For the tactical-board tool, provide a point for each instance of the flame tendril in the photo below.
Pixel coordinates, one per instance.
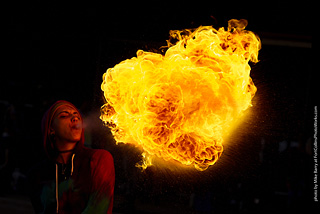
(178, 106)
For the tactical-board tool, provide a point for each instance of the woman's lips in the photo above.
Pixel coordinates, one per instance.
(76, 126)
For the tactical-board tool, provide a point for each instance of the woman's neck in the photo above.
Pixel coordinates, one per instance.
(64, 157)
(65, 150)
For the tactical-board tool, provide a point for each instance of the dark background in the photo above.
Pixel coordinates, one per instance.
(59, 50)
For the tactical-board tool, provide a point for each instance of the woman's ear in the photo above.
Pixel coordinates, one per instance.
(51, 132)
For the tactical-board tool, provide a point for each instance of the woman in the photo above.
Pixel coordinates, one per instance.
(73, 179)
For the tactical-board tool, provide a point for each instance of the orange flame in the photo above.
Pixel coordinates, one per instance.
(181, 105)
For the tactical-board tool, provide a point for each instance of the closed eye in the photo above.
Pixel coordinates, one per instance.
(64, 114)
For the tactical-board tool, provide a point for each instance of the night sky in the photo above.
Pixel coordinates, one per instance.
(60, 51)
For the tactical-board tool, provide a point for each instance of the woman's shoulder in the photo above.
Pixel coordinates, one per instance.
(102, 162)
(98, 154)
(102, 153)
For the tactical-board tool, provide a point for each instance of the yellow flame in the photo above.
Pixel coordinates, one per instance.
(179, 106)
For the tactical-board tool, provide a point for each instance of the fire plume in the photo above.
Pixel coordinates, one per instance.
(180, 105)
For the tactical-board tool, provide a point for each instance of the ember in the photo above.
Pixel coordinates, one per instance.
(180, 106)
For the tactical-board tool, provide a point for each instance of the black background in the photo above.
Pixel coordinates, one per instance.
(58, 50)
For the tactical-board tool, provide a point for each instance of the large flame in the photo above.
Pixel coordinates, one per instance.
(181, 105)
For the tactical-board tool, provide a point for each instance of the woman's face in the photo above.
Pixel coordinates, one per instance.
(67, 125)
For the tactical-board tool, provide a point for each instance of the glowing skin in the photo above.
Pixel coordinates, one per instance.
(66, 129)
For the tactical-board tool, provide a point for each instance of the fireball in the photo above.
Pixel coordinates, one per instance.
(181, 105)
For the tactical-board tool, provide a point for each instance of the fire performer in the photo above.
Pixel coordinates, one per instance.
(73, 179)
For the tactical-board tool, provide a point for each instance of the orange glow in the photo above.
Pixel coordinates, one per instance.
(180, 106)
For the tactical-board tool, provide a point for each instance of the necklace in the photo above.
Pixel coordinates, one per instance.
(65, 151)
(63, 167)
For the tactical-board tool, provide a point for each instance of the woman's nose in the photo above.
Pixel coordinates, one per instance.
(74, 119)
